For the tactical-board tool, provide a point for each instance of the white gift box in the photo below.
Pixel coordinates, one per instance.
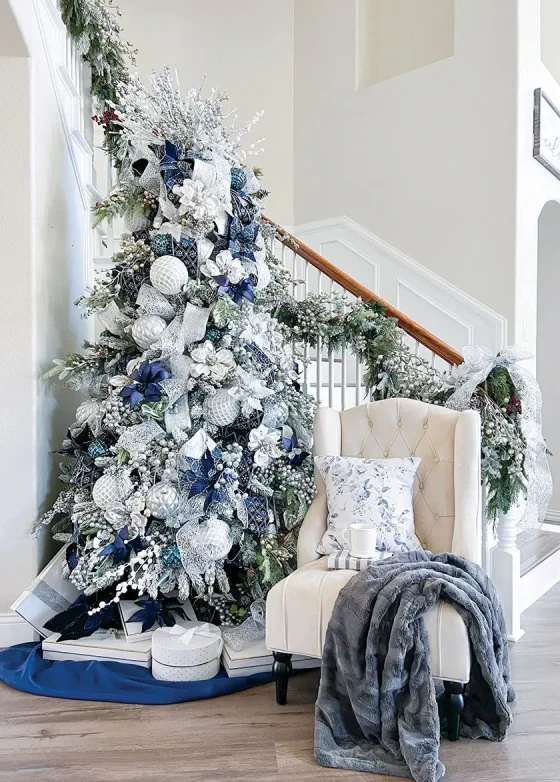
(47, 595)
(186, 652)
(133, 630)
(103, 646)
(256, 658)
(343, 560)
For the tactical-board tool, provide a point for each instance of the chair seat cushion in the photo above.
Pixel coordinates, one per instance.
(298, 610)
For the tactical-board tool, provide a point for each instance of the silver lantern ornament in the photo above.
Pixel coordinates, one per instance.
(147, 330)
(168, 275)
(110, 489)
(221, 408)
(162, 500)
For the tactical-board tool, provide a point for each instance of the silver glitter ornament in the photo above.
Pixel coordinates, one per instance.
(162, 500)
(221, 408)
(168, 275)
(111, 489)
(147, 330)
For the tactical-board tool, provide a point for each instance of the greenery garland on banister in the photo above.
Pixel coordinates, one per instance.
(391, 368)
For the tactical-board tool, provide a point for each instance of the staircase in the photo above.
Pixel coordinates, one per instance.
(523, 567)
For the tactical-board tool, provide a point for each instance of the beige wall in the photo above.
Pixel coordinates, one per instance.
(244, 47)
(550, 34)
(425, 160)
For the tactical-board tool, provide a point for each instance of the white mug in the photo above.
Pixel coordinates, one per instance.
(362, 539)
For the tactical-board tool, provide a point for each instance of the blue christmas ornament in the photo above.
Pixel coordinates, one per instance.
(97, 449)
(171, 557)
(161, 244)
(238, 179)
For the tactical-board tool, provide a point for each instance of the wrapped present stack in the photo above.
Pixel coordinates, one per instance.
(186, 653)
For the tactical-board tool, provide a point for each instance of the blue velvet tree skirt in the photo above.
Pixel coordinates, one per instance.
(23, 668)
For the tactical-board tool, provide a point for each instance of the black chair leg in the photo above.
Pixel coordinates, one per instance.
(455, 702)
(281, 668)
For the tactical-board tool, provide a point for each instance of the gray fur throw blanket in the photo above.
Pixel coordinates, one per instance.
(376, 709)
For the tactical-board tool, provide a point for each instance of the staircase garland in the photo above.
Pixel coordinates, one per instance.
(391, 368)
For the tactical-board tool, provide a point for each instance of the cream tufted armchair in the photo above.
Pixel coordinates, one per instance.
(446, 517)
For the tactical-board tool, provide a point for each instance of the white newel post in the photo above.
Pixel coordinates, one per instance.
(506, 571)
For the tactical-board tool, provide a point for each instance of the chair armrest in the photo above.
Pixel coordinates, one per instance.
(467, 532)
(312, 530)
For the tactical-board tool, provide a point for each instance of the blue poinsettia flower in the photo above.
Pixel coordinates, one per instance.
(173, 166)
(121, 547)
(76, 622)
(242, 239)
(240, 292)
(145, 386)
(159, 612)
(206, 476)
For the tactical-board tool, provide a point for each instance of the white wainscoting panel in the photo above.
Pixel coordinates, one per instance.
(435, 304)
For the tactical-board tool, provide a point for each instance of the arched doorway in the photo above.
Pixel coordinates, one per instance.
(548, 340)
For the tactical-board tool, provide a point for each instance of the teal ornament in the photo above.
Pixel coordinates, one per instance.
(213, 334)
(238, 179)
(171, 557)
(97, 449)
(161, 244)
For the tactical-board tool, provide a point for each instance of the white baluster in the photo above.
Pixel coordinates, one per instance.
(318, 390)
(331, 357)
(284, 264)
(506, 570)
(358, 382)
(306, 348)
(416, 347)
(433, 358)
(294, 274)
(343, 377)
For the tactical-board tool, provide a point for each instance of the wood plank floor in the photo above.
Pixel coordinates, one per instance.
(247, 737)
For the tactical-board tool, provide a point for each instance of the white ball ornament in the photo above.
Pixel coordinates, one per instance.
(168, 275)
(111, 489)
(221, 408)
(162, 500)
(147, 330)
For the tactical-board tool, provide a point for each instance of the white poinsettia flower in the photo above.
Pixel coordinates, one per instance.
(211, 364)
(197, 199)
(264, 442)
(249, 390)
(225, 265)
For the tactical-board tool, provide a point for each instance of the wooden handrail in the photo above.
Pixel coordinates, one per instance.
(416, 331)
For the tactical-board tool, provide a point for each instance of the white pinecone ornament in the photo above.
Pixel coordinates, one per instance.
(147, 330)
(168, 275)
(111, 489)
(221, 408)
(162, 500)
(88, 409)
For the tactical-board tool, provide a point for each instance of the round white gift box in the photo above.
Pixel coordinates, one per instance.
(186, 652)
(185, 673)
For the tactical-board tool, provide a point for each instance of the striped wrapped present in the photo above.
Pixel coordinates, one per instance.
(343, 560)
(48, 594)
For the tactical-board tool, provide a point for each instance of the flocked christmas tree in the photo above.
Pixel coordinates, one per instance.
(188, 462)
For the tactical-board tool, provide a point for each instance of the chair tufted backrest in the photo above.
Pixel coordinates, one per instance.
(448, 443)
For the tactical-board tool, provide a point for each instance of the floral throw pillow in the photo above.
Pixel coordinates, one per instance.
(369, 491)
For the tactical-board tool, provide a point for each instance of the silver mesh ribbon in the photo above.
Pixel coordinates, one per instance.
(252, 629)
(177, 415)
(140, 435)
(111, 319)
(194, 323)
(187, 327)
(202, 545)
(153, 302)
(478, 364)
